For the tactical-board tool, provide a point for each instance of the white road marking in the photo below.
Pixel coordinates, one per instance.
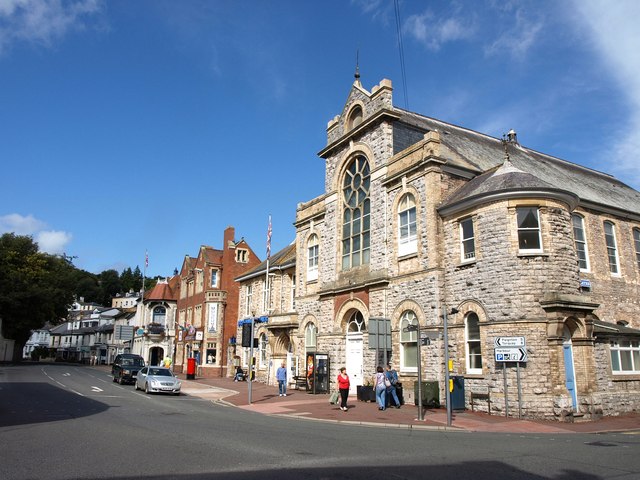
(96, 389)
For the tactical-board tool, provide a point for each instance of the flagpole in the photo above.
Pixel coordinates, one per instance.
(144, 274)
(266, 309)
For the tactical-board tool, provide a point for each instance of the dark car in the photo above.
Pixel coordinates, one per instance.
(125, 367)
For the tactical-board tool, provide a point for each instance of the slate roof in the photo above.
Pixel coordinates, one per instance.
(480, 153)
(613, 329)
(285, 258)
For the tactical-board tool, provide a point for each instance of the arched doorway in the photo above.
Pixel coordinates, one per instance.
(569, 371)
(354, 349)
(156, 354)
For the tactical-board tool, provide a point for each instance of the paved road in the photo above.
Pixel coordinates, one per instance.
(62, 422)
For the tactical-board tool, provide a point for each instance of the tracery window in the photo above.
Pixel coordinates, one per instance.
(356, 214)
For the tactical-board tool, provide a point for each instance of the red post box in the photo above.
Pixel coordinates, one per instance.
(191, 368)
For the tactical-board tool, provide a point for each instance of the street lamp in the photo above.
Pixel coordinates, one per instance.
(446, 361)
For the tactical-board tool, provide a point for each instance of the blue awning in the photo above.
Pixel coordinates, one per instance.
(263, 319)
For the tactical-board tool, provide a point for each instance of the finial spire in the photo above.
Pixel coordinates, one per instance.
(505, 142)
(357, 74)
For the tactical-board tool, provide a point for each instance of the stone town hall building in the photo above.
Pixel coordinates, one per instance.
(421, 216)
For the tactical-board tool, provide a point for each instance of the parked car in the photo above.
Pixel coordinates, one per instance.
(125, 367)
(158, 379)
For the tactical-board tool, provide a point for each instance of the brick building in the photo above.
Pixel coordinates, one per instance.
(420, 218)
(208, 305)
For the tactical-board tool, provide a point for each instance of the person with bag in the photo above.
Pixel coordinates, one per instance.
(380, 386)
(392, 380)
(343, 388)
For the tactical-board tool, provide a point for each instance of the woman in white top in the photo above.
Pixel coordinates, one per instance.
(380, 387)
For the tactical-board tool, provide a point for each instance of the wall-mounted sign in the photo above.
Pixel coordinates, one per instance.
(510, 342)
(511, 354)
(199, 335)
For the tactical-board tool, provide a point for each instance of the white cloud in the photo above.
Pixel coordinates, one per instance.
(19, 224)
(53, 242)
(433, 32)
(49, 241)
(42, 22)
(612, 28)
(517, 40)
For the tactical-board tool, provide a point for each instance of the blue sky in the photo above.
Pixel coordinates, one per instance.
(132, 125)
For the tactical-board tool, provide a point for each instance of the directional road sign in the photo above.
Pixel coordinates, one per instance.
(511, 354)
(510, 342)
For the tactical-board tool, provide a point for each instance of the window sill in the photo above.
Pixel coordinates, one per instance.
(532, 254)
(407, 256)
(315, 280)
(625, 377)
(474, 376)
(467, 263)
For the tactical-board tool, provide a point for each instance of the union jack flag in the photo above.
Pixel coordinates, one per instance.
(269, 239)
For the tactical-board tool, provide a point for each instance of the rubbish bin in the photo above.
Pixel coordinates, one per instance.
(430, 394)
(191, 368)
(457, 395)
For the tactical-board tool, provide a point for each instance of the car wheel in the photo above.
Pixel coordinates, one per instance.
(120, 380)
(177, 394)
(146, 388)
(135, 385)
(115, 379)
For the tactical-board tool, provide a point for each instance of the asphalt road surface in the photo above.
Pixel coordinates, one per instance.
(63, 422)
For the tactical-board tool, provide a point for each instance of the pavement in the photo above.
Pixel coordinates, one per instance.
(305, 406)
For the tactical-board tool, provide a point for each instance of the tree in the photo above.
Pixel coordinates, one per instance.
(127, 280)
(137, 279)
(35, 288)
(110, 284)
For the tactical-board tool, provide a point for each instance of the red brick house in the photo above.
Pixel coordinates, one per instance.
(208, 305)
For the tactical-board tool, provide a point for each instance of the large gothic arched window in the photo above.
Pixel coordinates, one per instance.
(356, 214)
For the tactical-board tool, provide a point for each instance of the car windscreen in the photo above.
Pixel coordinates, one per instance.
(160, 372)
(138, 362)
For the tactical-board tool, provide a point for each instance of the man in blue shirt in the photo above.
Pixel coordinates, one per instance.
(281, 376)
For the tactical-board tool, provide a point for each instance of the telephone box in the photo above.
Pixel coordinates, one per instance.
(317, 372)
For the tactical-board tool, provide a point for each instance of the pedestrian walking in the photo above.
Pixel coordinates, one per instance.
(281, 376)
(392, 377)
(380, 387)
(343, 387)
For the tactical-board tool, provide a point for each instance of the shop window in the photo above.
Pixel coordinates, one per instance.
(211, 354)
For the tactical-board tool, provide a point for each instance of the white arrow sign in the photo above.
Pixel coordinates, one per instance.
(511, 354)
(96, 389)
(510, 342)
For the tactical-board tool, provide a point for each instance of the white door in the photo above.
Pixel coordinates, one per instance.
(354, 360)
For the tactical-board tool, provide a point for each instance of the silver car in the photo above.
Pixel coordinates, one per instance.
(157, 379)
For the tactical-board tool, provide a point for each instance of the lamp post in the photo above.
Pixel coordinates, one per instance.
(446, 361)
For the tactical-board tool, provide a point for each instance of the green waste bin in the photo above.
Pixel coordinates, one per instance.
(430, 394)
